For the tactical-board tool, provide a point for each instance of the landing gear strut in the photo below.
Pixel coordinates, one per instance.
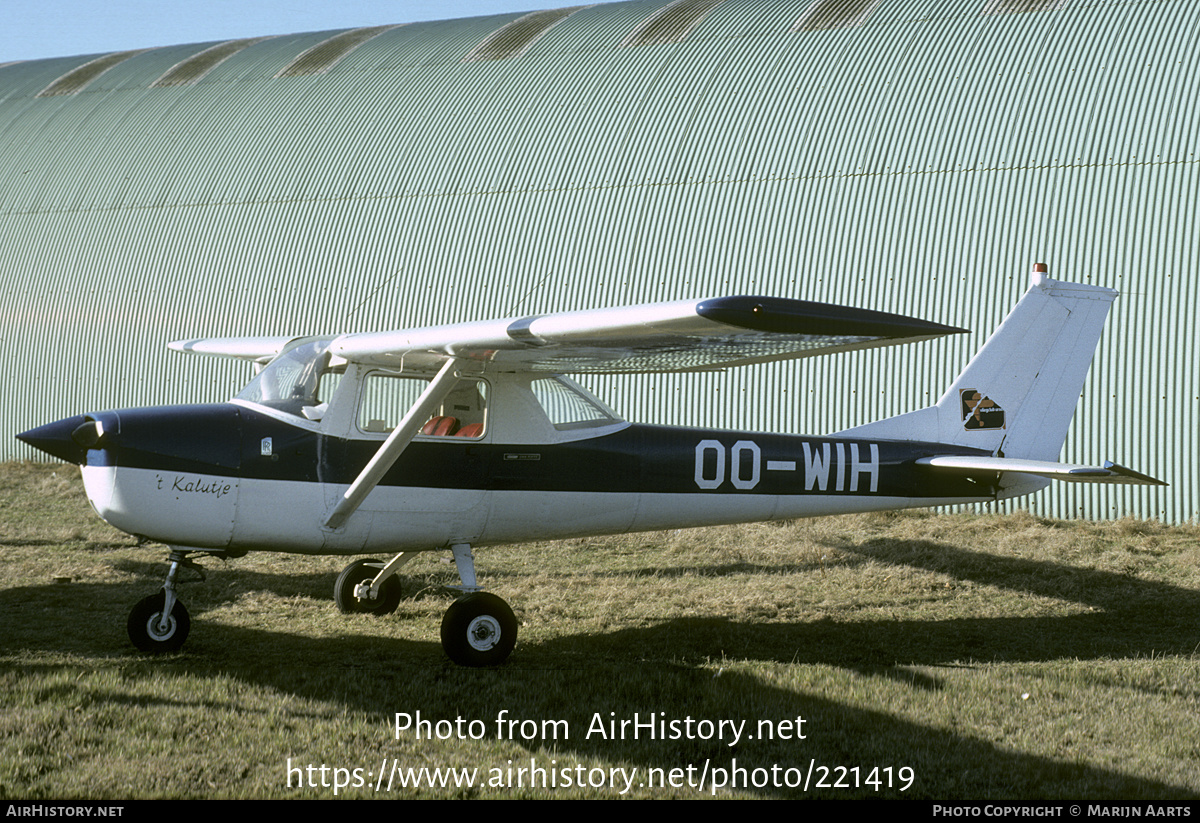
(479, 629)
(160, 622)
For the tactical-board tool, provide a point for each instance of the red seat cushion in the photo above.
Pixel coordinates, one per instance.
(440, 426)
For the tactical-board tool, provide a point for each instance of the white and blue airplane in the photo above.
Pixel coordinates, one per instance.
(468, 435)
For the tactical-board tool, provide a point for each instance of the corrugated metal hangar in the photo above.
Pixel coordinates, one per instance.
(912, 156)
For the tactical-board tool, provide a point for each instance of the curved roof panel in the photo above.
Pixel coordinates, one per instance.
(194, 68)
(326, 54)
(80, 77)
(671, 23)
(835, 14)
(513, 39)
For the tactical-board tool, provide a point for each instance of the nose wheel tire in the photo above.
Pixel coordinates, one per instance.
(479, 630)
(360, 572)
(150, 633)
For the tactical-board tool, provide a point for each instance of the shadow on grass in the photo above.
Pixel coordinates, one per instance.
(588, 680)
(381, 677)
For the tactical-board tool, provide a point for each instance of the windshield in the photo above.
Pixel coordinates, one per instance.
(293, 381)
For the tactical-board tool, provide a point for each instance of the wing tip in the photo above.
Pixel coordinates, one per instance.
(258, 349)
(788, 316)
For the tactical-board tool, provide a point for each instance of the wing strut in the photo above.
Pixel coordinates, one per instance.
(394, 446)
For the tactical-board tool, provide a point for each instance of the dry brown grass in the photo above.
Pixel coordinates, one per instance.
(997, 656)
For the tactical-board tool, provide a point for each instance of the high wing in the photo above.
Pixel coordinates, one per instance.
(256, 349)
(678, 336)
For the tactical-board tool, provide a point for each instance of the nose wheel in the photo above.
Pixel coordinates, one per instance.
(153, 629)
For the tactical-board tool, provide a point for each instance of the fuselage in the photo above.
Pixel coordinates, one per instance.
(234, 477)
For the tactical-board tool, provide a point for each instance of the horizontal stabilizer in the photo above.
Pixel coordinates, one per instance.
(1070, 472)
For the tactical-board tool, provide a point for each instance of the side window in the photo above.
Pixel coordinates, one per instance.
(465, 410)
(384, 400)
(568, 408)
(387, 397)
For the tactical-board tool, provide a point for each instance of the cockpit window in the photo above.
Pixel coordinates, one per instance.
(299, 381)
(568, 407)
(386, 397)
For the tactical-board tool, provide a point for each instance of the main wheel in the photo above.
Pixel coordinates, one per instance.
(360, 572)
(479, 630)
(146, 632)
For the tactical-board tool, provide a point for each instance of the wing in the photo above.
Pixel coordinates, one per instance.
(256, 349)
(686, 335)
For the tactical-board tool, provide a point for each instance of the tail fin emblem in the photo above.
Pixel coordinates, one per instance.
(980, 412)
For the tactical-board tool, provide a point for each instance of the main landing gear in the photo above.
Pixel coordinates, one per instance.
(360, 573)
(160, 623)
(479, 629)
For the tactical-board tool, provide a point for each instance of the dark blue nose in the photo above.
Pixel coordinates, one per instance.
(67, 439)
(179, 438)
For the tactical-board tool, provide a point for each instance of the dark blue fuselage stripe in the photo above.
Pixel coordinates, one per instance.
(227, 441)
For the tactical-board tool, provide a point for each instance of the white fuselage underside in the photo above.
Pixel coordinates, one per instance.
(213, 512)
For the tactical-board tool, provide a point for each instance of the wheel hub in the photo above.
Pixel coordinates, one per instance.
(160, 629)
(483, 633)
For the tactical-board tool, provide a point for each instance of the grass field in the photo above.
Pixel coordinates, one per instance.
(929, 656)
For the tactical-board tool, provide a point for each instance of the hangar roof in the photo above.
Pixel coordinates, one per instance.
(911, 156)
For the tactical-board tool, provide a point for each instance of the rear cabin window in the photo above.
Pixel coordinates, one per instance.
(567, 407)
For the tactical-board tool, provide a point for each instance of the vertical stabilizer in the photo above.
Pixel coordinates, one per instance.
(1016, 396)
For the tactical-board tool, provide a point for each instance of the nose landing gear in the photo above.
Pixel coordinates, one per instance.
(160, 623)
(153, 628)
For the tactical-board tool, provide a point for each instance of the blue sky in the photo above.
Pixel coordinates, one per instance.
(32, 29)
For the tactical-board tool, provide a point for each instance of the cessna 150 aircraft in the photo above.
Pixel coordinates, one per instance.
(468, 435)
